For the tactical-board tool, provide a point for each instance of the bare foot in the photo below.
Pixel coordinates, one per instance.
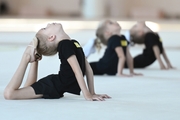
(123, 75)
(32, 52)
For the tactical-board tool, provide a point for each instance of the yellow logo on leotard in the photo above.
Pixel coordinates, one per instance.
(160, 39)
(77, 45)
(123, 43)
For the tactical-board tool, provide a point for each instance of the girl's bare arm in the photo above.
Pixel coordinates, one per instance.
(90, 78)
(158, 57)
(121, 61)
(72, 60)
(90, 82)
(166, 59)
(130, 62)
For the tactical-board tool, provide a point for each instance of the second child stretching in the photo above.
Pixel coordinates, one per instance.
(116, 53)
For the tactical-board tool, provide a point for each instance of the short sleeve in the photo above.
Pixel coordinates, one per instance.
(118, 41)
(66, 49)
(151, 39)
(125, 42)
(159, 39)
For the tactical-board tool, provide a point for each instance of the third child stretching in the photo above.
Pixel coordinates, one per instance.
(141, 34)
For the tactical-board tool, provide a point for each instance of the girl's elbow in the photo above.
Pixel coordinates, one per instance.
(122, 57)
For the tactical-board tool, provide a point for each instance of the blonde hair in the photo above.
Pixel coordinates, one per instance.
(98, 44)
(100, 35)
(134, 33)
(43, 47)
(135, 38)
(100, 32)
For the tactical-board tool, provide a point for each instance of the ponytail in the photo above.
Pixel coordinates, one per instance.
(98, 44)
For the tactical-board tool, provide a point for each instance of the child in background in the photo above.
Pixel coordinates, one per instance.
(142, 34)
(74, 66)
(90, 47)
(116, 53)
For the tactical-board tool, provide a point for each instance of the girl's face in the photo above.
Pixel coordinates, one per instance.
(51, 29)
(112, 27)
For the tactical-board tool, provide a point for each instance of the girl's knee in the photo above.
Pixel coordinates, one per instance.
(8, 94)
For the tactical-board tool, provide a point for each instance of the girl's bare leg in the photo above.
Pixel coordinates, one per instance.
(12, 90)
(32, 75)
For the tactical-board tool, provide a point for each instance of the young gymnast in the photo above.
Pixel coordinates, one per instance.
(116, 53)
(142, 34)
(74, 66)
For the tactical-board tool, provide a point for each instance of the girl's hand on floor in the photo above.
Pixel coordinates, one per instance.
(170, 67)
(124, 75)
(163, 67)
(103, 96)
(137, 74)
(94, 98)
